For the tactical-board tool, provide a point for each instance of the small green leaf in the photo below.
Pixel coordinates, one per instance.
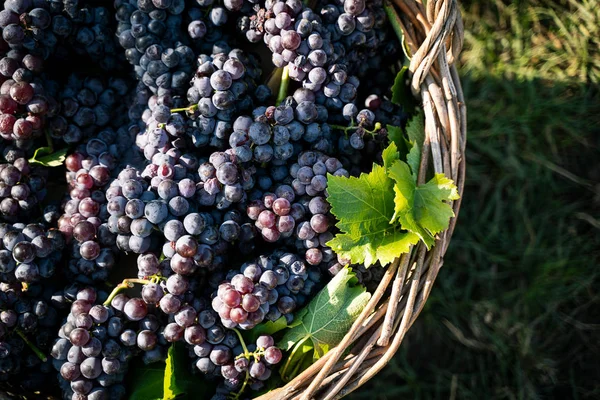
(413, 158)
(42, 156)
(390, 155)
(265, 328)
(146, 381)
(399, 87)
(404, 202)
(364, 207)
(401, 94)
(40, 152)
(329, 316)
(415, 129)
(177, 378)
(396, 135)
(421, 209)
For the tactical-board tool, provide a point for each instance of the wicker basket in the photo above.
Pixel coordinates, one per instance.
(434, 35)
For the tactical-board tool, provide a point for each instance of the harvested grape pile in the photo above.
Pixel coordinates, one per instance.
(172, 189)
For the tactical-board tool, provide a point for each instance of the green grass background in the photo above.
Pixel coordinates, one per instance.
(515, 313)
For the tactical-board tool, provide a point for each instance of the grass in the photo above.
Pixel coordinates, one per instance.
(515, 312)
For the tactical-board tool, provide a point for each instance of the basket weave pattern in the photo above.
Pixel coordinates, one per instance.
(434, 36)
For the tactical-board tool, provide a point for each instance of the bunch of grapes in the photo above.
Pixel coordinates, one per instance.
(22, 188)
(225, 180)
(277, 134)
(150, 32)
(87, 105)
(359, 31)
(314, 52)
(29, 253)
(91, 33)
(31, 27)
(225, 85)
(275, 216)
(28, 324)
(292, 33)
(25, 104)
(310, 172)
(252, 364)
(269, 287)
(84, 221)
(95, 345)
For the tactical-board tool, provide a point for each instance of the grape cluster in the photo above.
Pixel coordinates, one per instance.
(88, 105)
(150, 33)
(275, 216)
(225, 85)
(359, 31)
(30, 27)
(25, 317)
(225, 180)
(313, 52)
(310, 172)
(24, 101)
(236, 364)
(367, 132)
(269, 287)
(96, 343)
(86, 30)
(29, 253)
(84, 221)
(298, 214)
(22, 187)
(277, 134)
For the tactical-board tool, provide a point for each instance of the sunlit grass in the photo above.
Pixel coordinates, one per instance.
(515, 311)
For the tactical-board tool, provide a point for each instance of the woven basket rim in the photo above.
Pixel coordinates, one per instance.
(434, 34)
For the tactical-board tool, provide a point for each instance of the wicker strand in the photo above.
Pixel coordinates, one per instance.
(434, 33)
(390, 315)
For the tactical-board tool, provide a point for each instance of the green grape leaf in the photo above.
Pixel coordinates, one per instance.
(401, 94)
(399, 88)
(421, 209)
(364, 207)
(146, 381)
(390, 155)
(396, 136)
(177, 378)
(415, 129)
(327, 319)
(42, 156)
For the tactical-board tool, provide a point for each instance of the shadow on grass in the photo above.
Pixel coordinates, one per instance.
(515, 310)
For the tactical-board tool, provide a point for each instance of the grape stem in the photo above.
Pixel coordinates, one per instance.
(246, 355)
(126, 284)
(32, 346)
(193, 107)
(347, 129)
(237, 395)
(283, 87)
